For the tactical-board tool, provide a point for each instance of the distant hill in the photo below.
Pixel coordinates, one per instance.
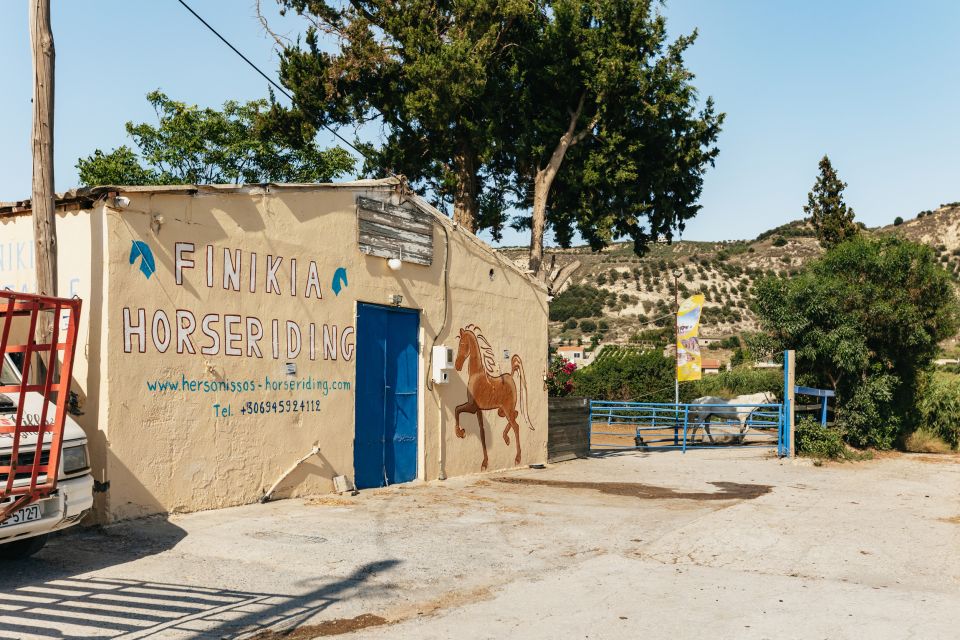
(635, 291)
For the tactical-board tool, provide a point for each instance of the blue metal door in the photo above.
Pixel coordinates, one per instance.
(385, 441)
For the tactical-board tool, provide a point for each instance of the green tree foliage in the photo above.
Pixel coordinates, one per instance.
(191, 145)
(588, 326)
(609, 122)
(830, 216)
(578, 301)
(645, 376)
(434, 77)
(897, 221)
(581, 112)
(866, 320)
(795, 229)
(730, 342)
(121, 167)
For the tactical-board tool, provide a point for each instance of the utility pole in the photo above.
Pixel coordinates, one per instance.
(42, 198)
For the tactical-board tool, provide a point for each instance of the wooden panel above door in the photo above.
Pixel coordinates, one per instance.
(389, 231)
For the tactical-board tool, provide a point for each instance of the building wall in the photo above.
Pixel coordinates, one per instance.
(80, 273)
(183, 415)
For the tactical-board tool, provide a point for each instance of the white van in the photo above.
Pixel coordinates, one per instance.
(25, 531)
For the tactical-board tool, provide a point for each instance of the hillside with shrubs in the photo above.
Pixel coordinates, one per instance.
(616, 297)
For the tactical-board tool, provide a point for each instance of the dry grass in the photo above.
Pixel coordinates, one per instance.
(921, 441)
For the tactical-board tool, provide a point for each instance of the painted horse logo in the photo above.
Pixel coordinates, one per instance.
(487, 388)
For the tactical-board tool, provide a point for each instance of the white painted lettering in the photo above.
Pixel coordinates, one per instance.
(139, 329)
(313, 281)
(210, 265)
(329, 343)
(272, 286)
(182, 262)
(346, 348)
(186, 325)
(293, 339)
(230, 336)
(161, 326)
(254, 334)
(231, 269)
(213, 348)
(293, 277)
(275, 328)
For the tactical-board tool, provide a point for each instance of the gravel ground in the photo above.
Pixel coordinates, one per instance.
(719, 543)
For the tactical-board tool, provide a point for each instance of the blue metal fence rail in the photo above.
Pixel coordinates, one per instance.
(653, 425)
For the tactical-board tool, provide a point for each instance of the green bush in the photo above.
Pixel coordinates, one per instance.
(897, 221)
(588, 326)
(779, 241)
(939, 407)
(735, 382)
(816, 441)
(866, 319)
(731, 342)
(570, 324)
(627, 375)
(579, 301)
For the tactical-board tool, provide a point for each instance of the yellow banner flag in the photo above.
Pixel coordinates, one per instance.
(688, 348)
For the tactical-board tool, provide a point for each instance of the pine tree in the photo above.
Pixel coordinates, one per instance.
(832, 219)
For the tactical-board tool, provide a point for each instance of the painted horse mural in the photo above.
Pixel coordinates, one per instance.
(487, 388)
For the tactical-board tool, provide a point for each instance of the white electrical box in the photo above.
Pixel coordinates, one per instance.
(442, 364)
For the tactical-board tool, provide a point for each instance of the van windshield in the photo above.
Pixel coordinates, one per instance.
(8, 374)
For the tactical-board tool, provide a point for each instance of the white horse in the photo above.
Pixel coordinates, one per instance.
(700, 417)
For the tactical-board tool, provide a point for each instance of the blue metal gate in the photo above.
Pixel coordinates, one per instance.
(653, 425)
(385, 441)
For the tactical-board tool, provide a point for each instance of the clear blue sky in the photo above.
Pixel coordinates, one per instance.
(875, 84)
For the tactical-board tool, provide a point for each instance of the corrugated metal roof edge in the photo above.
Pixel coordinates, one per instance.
(87, 196)
(92, 194)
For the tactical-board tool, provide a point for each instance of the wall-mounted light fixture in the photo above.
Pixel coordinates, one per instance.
(396, 299)
(396, 263)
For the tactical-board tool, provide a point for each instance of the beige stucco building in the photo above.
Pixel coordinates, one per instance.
(227, 330)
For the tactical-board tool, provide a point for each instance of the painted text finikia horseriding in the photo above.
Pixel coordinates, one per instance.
(187, 332)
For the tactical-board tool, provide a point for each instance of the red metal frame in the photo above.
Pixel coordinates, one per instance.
(55, 389)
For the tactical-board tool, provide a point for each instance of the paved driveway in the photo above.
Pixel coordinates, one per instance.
(719, 544)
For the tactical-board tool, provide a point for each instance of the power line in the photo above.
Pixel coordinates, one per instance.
(268, 78)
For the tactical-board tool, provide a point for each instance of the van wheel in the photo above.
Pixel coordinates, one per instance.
(19, 549)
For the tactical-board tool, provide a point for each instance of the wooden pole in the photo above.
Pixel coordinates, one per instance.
(42, 199)
(43, 203)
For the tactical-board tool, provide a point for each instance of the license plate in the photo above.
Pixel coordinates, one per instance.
(27, 514)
